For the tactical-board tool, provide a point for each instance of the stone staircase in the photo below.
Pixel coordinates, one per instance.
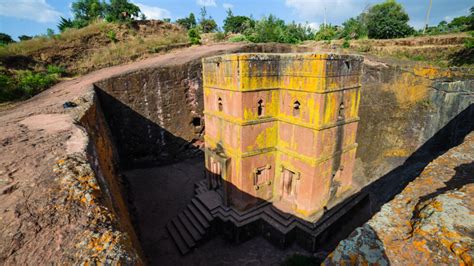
(191, 226)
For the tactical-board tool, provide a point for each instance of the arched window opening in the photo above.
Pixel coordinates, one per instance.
(348, 65)
(341, 112)
(260, 108)
(296, 108)
(220, 107)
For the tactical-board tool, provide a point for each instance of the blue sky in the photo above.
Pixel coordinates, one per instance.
(33, 17)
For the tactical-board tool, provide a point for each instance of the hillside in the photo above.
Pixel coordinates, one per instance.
(441, 50)
(98, 45)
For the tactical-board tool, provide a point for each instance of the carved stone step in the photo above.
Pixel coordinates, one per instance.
(202, 209)
(177, 239)
(194, 222)
(191, 230)
(183, 232)
(198, 216)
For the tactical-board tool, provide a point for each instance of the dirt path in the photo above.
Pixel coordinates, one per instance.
(34, 135)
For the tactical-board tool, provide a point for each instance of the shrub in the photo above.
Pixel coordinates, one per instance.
(207, 24)
(5, 39)
(219, 36)
(188, 22)
(86, 11)
(237, 24)
(52, 69)
(31, 83)
(194, 36)
(112, 36)
(25, 84)
(346, 44)
(354, 28)
(238, 38)
(296, 33)
(121, 10)
(268, 29)
(327, 32)
(24, 37)
(388, 20)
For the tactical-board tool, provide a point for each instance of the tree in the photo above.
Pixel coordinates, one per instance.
(354, 28)
(388, 20)
(268, 29)
(237, 24)
(65, 24)
(296, 33)
(188, 22)
(24, 37)
(207, 24)
(5, 38)
(326, 32)
(121, 10)
(86, 11)
(194, 36)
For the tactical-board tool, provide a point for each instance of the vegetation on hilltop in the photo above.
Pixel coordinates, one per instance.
(106, 33)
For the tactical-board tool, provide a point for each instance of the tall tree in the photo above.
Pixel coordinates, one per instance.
(122, 10)
(85, 11)
(388, 20)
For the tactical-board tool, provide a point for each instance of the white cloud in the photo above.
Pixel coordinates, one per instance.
(227, 6)
(154, 12)
(316, 9)
(37, 10)
(206, 2)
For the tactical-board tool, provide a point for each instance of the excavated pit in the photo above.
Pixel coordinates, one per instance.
(147, 128)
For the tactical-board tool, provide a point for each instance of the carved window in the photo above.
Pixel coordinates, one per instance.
(262, 176)
(260, 108)
(296, 108)
(341, 112)
(220, 107)
(348, 65)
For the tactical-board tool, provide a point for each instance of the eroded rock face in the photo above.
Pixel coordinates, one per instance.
(429, 223)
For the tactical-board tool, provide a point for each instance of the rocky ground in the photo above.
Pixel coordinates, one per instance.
(430, 223)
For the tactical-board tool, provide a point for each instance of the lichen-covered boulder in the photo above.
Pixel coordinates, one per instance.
(430, 223)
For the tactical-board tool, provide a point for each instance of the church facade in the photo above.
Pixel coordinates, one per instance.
(281, 128)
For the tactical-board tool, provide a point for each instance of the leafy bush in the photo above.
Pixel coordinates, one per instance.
(121, 10)
(24, 37)
(52, 69)
(237, 24)
(5, 39)
(25, 84)
(268, 29)
(238, 38)
(355, 28)
(112, 36)
(327, 32)
(207, 24)
(86, 11)
(188, 22)
(32, 83)
(219, 36)
(296, 33)
(346, 44)
(388, 20)
(194, 36)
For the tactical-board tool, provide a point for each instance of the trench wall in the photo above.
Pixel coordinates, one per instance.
(156, 114)
(103, 158)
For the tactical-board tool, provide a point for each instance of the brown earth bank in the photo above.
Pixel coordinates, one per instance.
(54, 207)
(64, 198)
(430, 222)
